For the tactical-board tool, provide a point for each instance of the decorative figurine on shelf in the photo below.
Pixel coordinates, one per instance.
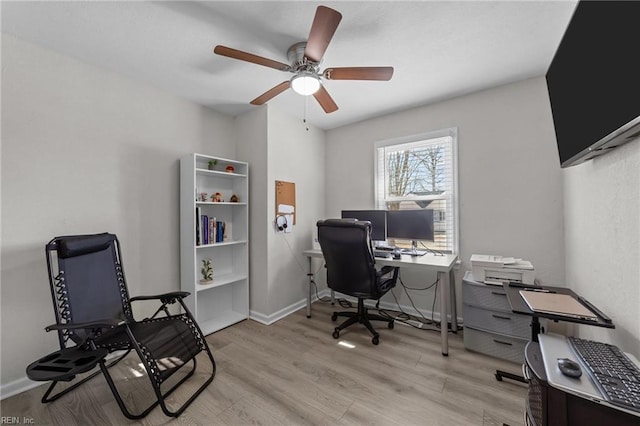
(230, 168)
(203, 196)
(217, 197)
(206, 271)
(234, 198)
(212, 164)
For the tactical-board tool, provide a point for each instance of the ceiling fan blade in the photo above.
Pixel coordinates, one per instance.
(325, 100)
(324, 26)
(271, 93)
(359, 73)
(249, 57)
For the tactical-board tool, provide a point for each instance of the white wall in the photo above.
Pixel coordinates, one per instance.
(510, 181)
(295, 155)
(251, 146)
(85, 150)
(279, 147)
(602, 232)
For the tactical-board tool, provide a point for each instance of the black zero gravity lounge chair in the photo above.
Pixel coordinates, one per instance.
(94, 317)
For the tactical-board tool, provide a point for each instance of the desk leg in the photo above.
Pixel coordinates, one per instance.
(452, 297)
(443, 277)
(310, 294)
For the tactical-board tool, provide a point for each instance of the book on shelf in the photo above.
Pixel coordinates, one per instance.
(212, 230)
(209, 230)
(219, 231)
(205, 228)
(198, 226)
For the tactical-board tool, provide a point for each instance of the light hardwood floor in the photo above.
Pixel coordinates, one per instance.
(293, 372)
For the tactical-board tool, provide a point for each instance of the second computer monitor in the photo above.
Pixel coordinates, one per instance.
(410, 224)
(377, 218)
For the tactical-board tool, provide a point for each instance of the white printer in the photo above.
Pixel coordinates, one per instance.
(497, 269)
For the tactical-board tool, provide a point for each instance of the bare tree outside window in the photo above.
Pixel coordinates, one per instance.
(411, 171)
(432, 159)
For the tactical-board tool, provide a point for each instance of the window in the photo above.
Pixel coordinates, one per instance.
(420, 172)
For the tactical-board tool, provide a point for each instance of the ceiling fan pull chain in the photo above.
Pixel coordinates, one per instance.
(304, 119)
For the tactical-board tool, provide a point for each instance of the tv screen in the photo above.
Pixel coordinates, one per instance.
(377, 218)
(594, 80)
(410, 224)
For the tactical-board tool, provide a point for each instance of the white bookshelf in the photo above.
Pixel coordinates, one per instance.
(225, 300)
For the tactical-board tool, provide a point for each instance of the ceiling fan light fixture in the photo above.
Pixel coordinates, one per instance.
(305, 83)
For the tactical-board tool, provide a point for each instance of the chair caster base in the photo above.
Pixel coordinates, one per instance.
(336, 334)
(375, 340)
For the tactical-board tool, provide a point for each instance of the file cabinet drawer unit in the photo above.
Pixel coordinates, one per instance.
(490, 327)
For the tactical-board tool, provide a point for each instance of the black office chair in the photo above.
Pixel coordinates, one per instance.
(348, 254)
(94, 317)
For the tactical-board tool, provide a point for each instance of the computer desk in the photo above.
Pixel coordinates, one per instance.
(442, 265)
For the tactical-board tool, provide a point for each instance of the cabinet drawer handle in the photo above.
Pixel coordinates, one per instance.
(497, 293)
(501, 317)
(503, 343)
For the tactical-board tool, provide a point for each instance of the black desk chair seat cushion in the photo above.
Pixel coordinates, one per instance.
(93, 312)
(351, 269)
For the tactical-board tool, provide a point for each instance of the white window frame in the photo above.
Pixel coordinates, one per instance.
(379, 190)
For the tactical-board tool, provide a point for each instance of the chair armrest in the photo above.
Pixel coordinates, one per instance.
(386, 270)
(166, 296)
(107, 323)
(386, 284)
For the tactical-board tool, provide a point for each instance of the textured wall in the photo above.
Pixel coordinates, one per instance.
(602, 228)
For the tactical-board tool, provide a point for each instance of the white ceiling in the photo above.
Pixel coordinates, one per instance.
(438, 49)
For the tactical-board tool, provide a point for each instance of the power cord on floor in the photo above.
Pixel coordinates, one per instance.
(420, 322)
(344, 303)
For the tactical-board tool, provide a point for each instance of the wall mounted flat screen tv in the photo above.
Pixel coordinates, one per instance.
(594, 80)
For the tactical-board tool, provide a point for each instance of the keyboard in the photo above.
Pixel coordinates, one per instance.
(615, 375)
(381, 253)
(414, 252)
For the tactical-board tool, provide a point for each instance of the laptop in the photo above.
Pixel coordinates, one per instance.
(557, 304)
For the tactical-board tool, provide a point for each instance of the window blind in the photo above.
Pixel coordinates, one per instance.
(421, 174)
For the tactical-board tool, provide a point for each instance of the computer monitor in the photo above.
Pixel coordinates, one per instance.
(378, 219)
(410, 224)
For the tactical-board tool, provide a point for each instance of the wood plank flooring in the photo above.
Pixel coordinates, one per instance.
(294, 373)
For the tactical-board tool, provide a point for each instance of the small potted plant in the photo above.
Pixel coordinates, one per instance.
(206, 271)
(212, 164)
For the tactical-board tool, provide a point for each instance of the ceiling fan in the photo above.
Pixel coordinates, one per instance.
(305, 58)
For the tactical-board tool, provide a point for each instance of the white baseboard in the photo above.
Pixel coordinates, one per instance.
(276, 316)
(270, 319)
(17, 386)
